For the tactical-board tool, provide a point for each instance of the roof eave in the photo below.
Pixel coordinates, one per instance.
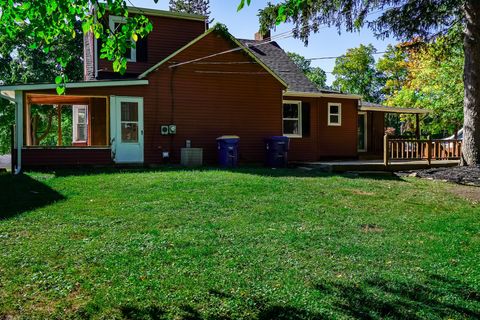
(166, 14)
(321, 95)
(395, 110)
(73, 85)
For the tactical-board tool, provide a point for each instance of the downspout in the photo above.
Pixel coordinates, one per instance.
(172, 109)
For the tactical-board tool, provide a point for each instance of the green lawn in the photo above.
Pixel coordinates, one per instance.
(249, 244)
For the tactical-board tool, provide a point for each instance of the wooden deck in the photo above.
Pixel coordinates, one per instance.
(376, 165)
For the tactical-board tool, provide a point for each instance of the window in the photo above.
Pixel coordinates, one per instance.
(129, 122)
(292, 119)
(334, 114)
(115, 23)
(80, 123)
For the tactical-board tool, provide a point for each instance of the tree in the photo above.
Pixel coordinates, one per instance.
(21, 62)
(315, 74)
(404, 19)
(428, 76)
(39, 19)
(201, 7)
(355, 72)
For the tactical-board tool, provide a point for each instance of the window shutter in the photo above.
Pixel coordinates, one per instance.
(142, 50)
(305, 119)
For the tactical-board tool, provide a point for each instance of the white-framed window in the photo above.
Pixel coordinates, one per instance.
(115, 24)
(334, 114)
(292, 119)
(80, 123)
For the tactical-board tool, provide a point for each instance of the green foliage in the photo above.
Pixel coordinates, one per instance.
(315, 74)
(200, 7)
(355, 72)
(429, 76)
(23, 62)
(47, 22)
(250, 244)
(402, 18)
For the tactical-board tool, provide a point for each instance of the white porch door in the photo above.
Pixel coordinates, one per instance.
(128, 143)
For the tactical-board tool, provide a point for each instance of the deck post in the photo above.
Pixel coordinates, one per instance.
(417, 124)
(12, 149)
(385, 150)
(59, 125)
(429, 151)
(19, 109)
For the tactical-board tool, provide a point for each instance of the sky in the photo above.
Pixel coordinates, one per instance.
(326, 43)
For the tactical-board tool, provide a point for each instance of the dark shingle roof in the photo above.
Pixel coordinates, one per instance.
(276, 59)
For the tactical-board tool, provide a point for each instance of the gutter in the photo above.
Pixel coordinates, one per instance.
(321, 95)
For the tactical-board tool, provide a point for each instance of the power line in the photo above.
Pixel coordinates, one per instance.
(335, 57)
(280, 36)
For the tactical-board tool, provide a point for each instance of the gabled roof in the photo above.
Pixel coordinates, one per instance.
(273, 56)
(228, 36)
(298, 84)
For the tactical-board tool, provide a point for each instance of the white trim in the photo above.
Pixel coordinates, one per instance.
(395, 110)
(19, 128)
(339, 114)
(117, 124)
(72, 85)
(321, 95)
(299, 119)
(75, 111)
(122, 20)
(365, 124)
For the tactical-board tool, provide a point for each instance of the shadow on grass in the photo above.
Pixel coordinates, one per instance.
(22, 193)
(250, 170)
(437, 297)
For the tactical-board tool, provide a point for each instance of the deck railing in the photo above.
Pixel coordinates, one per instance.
(421, 149)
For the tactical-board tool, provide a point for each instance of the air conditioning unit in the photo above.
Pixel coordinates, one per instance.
(191, 157)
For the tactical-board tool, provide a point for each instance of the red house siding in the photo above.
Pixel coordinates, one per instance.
(233, 95)
(168, 35)
(209, 100)
(327, 141)
(375, 133)
(37, 157)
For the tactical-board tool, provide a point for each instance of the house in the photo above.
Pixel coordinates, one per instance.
(186, 82)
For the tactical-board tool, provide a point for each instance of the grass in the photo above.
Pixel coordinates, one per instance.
(248, 244)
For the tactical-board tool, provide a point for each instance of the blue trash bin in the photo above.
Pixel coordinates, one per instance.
(277, 151)
(228, 151)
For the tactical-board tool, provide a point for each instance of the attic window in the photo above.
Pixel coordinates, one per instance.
(115, 24)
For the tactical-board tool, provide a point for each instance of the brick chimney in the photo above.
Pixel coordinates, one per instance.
(88, 57)
(260, 37)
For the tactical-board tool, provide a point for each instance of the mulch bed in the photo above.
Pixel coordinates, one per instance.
(462, 175)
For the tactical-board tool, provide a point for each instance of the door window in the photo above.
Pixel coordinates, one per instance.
(129, 122)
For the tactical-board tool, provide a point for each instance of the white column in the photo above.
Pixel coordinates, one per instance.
(19, 128)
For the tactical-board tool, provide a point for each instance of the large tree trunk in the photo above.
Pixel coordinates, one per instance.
(471, 137)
